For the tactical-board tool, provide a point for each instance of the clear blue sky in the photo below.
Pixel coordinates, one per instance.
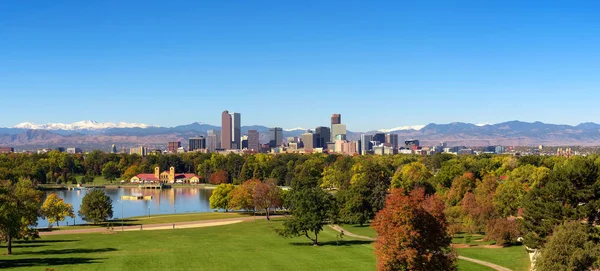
(294, 63)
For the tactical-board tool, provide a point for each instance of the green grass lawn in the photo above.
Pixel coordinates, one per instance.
(158, 219)
(514, 257)
(469, 266)
(242, 246)
(476, 239)
(364, 230)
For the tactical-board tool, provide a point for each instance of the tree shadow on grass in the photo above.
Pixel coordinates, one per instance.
(334, 243)
(43, 241)
(68, 251)
(23, 246)
(47, 262)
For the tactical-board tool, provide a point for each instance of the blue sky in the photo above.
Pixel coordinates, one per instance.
(381, 64)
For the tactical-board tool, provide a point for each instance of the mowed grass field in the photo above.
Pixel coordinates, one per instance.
(514, 258)
(243, 246)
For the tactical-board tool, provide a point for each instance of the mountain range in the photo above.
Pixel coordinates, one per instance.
(97, 135)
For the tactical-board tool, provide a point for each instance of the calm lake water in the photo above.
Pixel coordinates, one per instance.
(165, 201)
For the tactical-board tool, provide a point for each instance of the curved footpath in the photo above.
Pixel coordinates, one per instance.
(161, 226)
(490, 265)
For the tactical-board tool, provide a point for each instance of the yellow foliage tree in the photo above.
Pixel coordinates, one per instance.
(55, 209)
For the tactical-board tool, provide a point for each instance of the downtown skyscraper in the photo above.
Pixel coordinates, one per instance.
(236, 131)
(231, 130)
(225, 130)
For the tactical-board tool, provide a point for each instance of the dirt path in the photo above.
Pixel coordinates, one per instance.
(490, 265)
(161, 226)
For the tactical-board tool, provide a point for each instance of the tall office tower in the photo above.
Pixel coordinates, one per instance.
(173, 146)
(323, 135)
(365, 141)
(113, 148)
(226, 130)
(212, 142)
(217, 134)
(197, 143)
(335, 119)
(253, 140)
(338, 132)
(236, 130)
(308, 139)
(275, 137)
(392, 139)
(379, 137)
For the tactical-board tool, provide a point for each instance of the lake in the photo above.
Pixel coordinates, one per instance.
(164, 201)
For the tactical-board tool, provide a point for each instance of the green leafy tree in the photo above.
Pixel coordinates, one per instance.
(55, 209)
(87, 179)
(221, 196)
(508, 197)
(570, 193)
(366, 195)
(96, 207)
(19, 208)
(569, 248)
(311, 208)
(110, 171)
(411, 176)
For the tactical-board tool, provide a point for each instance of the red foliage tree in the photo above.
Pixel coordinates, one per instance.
(412, 233)
(218, 177)
(503, 231)
(267, 195)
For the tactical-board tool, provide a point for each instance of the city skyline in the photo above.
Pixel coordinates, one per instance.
(419, 63)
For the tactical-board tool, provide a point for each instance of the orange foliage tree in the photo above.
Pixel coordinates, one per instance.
(218, 177)
(242, 196)
(412, 233)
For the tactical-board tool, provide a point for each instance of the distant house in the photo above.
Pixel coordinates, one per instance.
(165, 177)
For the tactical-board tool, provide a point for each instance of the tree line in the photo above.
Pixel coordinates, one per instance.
(505, 197)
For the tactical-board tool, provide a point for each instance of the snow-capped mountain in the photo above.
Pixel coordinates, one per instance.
(80, 125)
(403, 128)
(295, 129)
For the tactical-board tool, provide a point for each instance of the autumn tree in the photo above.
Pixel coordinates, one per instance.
(412, 233)
(242, 196)
(96, 207)
(19, 208)
(460, 186)
(131, 171)
(221, 196)
(218, 177)
(570, 248)
(267, 195)
(502, 231)
(55, 209)
(479, 206)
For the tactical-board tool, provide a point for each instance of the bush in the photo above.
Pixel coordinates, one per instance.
(502, 231)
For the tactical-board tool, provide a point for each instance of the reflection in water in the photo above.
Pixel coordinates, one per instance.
(164, 201)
